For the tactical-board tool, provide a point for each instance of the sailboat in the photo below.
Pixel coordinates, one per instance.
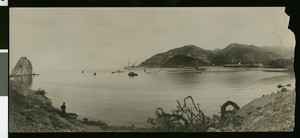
(134, 65)
(128, 66)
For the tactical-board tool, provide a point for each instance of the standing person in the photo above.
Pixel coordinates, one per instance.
(63, 110)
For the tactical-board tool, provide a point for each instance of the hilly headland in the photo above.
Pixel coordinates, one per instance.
(194, 56)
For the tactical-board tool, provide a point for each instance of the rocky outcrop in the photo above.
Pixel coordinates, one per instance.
(24, 80)
(273, 112)
(19, 88)
(23, 67)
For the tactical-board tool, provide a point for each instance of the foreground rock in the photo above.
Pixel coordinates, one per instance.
(274, 112)
(32, 112)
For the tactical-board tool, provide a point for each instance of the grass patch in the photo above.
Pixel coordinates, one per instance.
(40, 92)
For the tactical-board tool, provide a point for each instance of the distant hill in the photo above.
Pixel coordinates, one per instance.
(234, 53)
(192, 56)
(188, 55)
(284, 52)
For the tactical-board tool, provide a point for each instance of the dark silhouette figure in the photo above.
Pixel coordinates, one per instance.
(63, 110)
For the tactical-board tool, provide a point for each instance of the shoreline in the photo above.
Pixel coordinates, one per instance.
(23, 100)
(171, 68)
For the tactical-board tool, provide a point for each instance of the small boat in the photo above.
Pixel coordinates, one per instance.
(132, 74)
(95, 74)
(118, 71)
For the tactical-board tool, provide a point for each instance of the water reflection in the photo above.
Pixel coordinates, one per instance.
(25, 80)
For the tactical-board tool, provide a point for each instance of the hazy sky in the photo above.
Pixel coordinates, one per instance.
(79, 38)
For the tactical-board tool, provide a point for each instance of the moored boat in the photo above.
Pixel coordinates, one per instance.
(132, 74)
(118, 71)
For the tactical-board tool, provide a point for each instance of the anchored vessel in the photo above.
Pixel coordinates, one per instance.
(118, 71)
(132, 74)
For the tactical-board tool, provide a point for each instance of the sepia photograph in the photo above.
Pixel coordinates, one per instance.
(151, 69)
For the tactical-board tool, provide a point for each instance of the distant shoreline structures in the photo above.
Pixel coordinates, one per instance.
(233, 65)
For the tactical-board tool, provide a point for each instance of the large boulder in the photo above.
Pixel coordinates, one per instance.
(273, 112)
(23, 67)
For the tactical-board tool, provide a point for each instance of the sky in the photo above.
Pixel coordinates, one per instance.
(100, 38)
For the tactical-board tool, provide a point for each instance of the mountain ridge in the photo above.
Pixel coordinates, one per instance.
(197, 56)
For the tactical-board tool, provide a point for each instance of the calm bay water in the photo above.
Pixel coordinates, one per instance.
(122, 100)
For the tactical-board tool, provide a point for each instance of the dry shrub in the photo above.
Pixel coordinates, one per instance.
(184, 118)
(190, 118)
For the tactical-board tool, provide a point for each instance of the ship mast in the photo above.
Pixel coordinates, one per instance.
(128, 63)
